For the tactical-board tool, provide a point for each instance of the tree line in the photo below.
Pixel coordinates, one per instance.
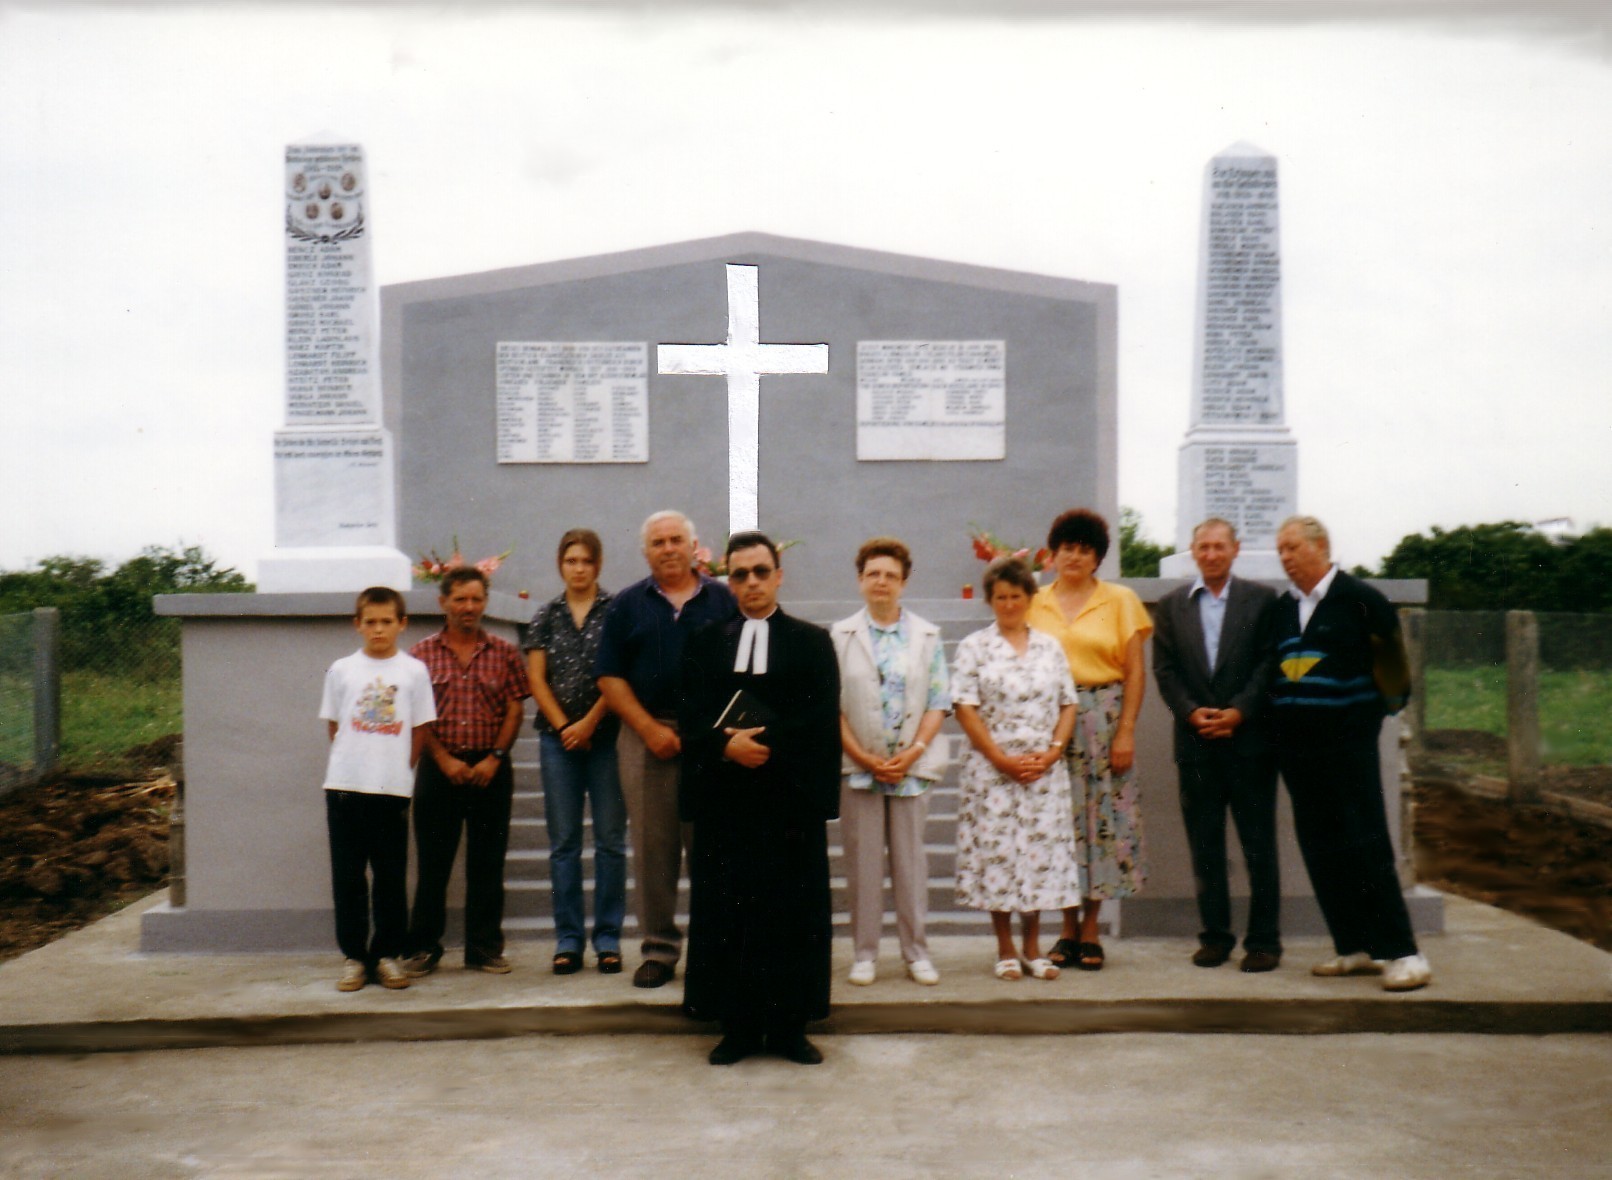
(1481, 567)
(107, 620)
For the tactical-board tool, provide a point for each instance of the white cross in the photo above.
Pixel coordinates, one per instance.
(742, 360)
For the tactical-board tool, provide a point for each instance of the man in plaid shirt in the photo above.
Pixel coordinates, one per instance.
(464, 780)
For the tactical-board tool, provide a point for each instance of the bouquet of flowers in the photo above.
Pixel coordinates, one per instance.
(431, 567)
(988, 547)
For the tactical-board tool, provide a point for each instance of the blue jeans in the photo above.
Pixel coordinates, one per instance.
(571, 777)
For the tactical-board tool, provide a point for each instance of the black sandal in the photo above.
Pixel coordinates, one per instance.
(1091, 957)
(567, 963)
(1065, 952)
(609, 963)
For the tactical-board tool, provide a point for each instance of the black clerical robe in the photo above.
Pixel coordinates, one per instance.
(760, 925)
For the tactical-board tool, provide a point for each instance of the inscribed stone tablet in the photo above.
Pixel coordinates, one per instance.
(576, 402)
(331, 379)
(1252, 485)
(1241, 374)
(332, 488)
(931, 399)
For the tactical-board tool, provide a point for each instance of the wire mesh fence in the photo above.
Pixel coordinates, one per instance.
(121, 697)
(16, 698)
(1575, 689)
(1467, 680)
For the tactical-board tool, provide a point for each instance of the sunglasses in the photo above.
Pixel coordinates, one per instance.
(760, 573)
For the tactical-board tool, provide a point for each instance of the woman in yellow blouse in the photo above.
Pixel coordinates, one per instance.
(1101, 628)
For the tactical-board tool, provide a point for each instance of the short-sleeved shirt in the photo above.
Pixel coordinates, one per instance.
(472, 699)
(1095, 640)
(569, 652)
(376, 705)
(644, 636)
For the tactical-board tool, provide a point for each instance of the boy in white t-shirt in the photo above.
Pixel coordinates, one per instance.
(378, 703)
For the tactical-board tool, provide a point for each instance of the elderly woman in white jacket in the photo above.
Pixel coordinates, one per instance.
(893, 698)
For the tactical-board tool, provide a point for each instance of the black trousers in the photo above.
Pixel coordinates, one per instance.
(1342, 827)
(369, 837)
(1221, 780)
(442, 811)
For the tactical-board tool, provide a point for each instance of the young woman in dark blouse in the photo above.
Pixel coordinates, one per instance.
(577, 753)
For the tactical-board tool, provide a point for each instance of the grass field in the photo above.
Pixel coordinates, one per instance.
(103, 716)
(1574, 708)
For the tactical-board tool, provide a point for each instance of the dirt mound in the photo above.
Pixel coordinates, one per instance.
(1474, 743)
(75, 850)
(1529, 860)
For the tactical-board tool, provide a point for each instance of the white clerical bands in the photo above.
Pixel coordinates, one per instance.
(752, 655)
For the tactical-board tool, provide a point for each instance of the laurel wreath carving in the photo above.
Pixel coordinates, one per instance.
(297, 233)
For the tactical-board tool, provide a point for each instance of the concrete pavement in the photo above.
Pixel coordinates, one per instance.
(93, 992)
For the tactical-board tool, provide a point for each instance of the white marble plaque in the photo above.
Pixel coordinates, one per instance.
(332, 374)
(332, 487)
(931, 399)
(573, 402)
(1240, 311)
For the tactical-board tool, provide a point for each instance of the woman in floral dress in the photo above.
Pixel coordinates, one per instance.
(1015, 700)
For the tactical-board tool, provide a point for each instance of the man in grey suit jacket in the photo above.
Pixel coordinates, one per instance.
(1213, 657)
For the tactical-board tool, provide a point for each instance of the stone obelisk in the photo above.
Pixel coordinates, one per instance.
(335, 519)
(1238, 461)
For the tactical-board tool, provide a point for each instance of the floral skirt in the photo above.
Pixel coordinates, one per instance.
(1016, 848)
(1108, 821)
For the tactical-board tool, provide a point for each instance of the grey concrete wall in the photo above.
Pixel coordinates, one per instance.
(257, 855)
(256, 848)
(440, 338)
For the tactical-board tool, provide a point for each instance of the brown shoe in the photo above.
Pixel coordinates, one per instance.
(653, 973)
(493, 965)
(1255, 962)
(1210, 956)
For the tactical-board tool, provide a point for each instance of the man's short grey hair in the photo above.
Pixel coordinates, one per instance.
(1212, 522)
(1312, 529)
(655, 518)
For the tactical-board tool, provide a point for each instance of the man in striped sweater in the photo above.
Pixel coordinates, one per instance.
(1342, 670)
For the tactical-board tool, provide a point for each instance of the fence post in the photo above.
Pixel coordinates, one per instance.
(1522, 706)
(1413, 623)
(47, 690)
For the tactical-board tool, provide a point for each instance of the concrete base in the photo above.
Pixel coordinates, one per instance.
(92, 991)
(347, 569)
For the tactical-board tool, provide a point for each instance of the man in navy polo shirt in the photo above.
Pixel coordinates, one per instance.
(640, 657)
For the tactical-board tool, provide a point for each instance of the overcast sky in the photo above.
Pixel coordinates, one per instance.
(1446, 208)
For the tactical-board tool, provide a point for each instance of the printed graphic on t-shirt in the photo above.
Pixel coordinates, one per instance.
(376, 711)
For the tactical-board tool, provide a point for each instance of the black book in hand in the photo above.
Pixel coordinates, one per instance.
(745, 711)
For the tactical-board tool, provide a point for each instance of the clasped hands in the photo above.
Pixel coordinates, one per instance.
(1212, 724)
(462, 774)
(1026, 768)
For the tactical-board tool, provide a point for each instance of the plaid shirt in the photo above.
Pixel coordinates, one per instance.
(471, 700)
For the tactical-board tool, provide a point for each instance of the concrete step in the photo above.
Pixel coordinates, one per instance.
(92, 991)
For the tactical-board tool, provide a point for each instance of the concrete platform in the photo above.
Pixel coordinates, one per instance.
(93, 991)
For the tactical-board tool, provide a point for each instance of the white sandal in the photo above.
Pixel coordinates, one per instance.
(1009, 970)
(1041, 968)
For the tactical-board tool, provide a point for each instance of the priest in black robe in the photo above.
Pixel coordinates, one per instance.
(759, 797)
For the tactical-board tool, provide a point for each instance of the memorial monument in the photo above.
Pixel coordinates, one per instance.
(1239, 460)
(334, 517)
(827, 393)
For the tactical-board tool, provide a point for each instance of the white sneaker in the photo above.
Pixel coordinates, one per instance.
(863, 972)
(391, 973)
(923, 971)
(1407, 974)
(354, 975)
(1359, 963)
